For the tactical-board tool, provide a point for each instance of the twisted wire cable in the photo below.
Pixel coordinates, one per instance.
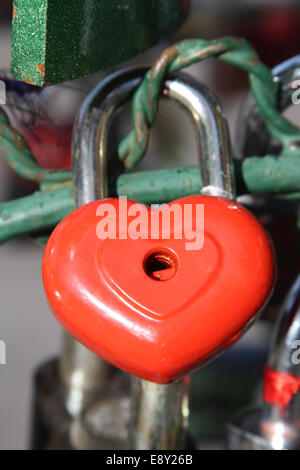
(232, 50)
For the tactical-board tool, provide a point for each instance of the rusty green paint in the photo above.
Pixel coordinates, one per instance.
(232, 50)
(34, 213)
(28, 36)
(160, 186)
(54, 41)
(257, 175)
(271, 174)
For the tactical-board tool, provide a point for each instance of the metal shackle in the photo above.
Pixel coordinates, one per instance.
(286, 333)
(275, 425)
(280, 424)
(252, 136)
(93, 121)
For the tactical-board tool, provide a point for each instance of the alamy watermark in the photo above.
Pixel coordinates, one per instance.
(2, 92)
(2, 353)
(162, 222)
(295, 85)
(296, 353)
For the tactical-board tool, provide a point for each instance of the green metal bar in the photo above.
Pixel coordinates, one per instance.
(34, 213)
(259, 175)
(158, 186)
(271, 174)
(44, 209)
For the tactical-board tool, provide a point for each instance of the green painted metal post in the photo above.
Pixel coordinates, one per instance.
(54, 40)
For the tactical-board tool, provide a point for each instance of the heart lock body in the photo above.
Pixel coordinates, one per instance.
(159, 307)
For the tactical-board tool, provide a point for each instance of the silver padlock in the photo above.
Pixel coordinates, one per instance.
(252, 136)
(275, 426)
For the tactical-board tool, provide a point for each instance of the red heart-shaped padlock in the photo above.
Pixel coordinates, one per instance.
(151, 306)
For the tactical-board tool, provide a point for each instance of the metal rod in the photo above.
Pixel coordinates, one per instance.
(83, 374)
(212, 135)
(159, 415)
(280, 424)
(287, 332)
(277, 424)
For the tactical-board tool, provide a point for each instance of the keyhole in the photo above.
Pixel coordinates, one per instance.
(160, 265)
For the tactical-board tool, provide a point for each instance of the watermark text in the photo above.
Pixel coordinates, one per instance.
(162, 222)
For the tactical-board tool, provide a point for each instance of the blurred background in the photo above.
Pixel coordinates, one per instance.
(26, 325)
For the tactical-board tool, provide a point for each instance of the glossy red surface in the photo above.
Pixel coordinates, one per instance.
(279, 387)
(115, 297)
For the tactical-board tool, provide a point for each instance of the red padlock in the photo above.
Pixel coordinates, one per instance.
(159, 307)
